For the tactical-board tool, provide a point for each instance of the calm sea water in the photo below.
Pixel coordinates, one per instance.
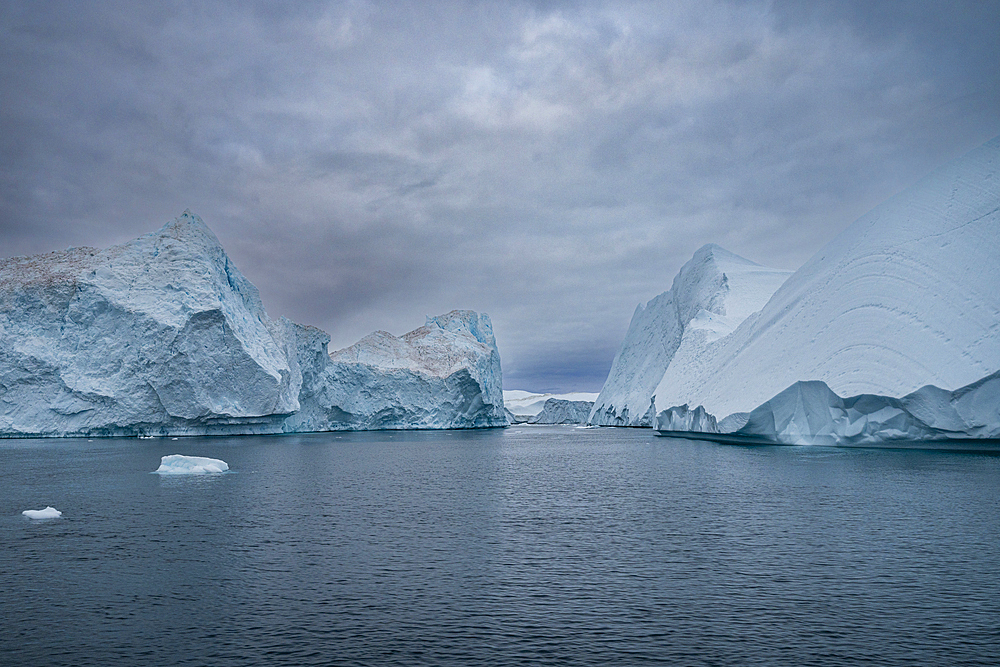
(525, 546)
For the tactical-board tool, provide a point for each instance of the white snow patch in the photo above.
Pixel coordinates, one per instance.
(178, 464)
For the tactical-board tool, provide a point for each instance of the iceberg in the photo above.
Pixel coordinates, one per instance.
(531, 408)
(906, 296)
(445, 374)
(714, 292)
(164, 336)
(178, 464)
(559, 411)
(47, 513)
(810, 413)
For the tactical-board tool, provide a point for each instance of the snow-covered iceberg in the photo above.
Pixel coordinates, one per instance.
(178, 464)
(810, 413)
(714, 292)
(164, 336)
(47, 513)
(908, 295)
(446, 374)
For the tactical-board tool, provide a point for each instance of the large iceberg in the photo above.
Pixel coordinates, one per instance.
(810, 413)
(714, 292)
(164, 336)
(906, 296)
(446, 374)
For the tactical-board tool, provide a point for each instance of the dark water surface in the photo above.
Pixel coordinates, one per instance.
(525, 546)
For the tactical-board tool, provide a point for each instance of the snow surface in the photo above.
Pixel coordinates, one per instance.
(809, 413)
(47, 513)
(178, 464)
(164, 336)
(908, 295)
(712, 294)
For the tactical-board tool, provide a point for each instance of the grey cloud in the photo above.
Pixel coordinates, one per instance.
(552, 164)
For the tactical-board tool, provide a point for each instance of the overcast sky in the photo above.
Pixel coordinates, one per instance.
(552, 164)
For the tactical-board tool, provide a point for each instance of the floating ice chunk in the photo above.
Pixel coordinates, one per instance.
(178, 464)
(47, 513)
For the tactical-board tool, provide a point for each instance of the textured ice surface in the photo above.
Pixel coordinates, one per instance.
(164, 336)
(178, 464)
(682, 418)
(908, 295)
(558, 411)
(711, 295)
(47, 513)
(446, 374)
(809, 413)
(525, 404)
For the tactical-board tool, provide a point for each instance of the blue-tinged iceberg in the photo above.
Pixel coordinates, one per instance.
(179, 464)
(446, 374)
(714, 292)
(906, 296)
(810, 413)
(164, 336)
(525, 407)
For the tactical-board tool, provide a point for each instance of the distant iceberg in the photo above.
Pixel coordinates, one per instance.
(525, 407)
(178, 464)
(47, 513)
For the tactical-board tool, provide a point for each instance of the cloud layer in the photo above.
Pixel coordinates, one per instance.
(552, 164)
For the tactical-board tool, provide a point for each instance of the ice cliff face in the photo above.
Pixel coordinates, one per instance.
(163, 335)
(163, 332)
(809, 413)
(711, 295)
(446, 374)
(558, 411)
(906, 296)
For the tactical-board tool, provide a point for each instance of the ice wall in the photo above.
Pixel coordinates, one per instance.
(711, 295)
(907, 295)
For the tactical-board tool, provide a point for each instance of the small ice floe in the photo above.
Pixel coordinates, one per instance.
(47, 513)
(178, 464)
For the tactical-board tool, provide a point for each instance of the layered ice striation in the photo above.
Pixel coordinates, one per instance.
(179, 464)
(163, 335)
(710, 297)
(906, 296)
(810, 413)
